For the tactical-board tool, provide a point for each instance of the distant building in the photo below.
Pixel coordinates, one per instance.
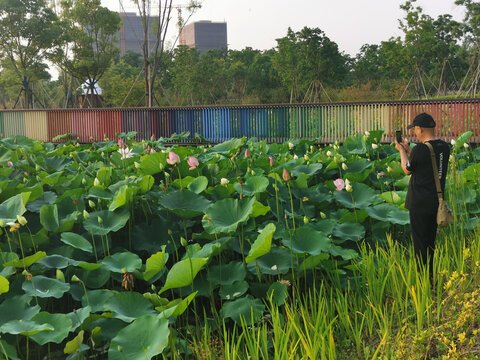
(205, 35)
(130, 37)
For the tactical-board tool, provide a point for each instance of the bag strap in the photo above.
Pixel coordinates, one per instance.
(435, 170)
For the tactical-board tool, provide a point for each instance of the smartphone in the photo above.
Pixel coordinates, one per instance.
(398, 136)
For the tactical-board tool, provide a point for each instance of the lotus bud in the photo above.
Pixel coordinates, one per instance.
(453, 142)
(2, 223)
(169, 232)
(335, 147)
(247, 153)
(322, 215)
(306, 157)
(100, 220)
(274, 267)
(96, 182)
(154, 288)
(137, 165)
(37, 167)
(173, 159)
(76, 278)
(84, 181)
(295, 157)
(218, 156)
(160, 166)
(167, 175)
(305, 220)
(193, 162)
(374, 146)
(466, 146)
(86, 215)
(311, 148)
(290, 145)
(286, 176)
(389, 169)
(329, 153)
(348, 186)
(25, 180)
(91, 204)
(344, 166)
(252, 172)
(271, 160)
(305, 199)
(119, 348)
(21, 220)
(9, 164)
(183, 241)
(367, 133)
(224, 181)
(452, 158)
(60, 275)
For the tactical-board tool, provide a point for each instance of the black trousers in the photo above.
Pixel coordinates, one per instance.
(424, 232)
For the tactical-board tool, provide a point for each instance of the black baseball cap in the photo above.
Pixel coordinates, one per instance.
(423, 120)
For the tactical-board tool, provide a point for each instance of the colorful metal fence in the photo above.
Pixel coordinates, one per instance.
(324, 122)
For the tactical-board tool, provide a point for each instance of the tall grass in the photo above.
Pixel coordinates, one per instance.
(391, 307)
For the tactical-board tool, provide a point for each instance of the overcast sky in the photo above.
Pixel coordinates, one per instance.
(350, 23)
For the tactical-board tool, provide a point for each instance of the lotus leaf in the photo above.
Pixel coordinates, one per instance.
(253, 185)
(277, 292)
(361, 196)
(14, 206)
(198, 185)
(78, 317)
(226, 274)
(17, 308)
(349, 231)
(61, 324)
(177, 307)
(110, 221)
(26, 261)
(228, 147)
(128, 306)
(262, 244)
(389, 213)
(225, 215)
(394, 197)
(312, 261)
(154, 265)
(153, 163)
(25, 327)
(309, 170)
(345, 254)
(74, 345)
(56, 262)
(183, 272)
(45, 287)
(8, 350)
(109, 327)
(246, 308)
(259, 209)
(145, 338)
(4, 285)
(235, 290)
(123, 196)
(104, 175)
(462, 139)
(325, 226)
(48, 198)
(185, 203)
(95, 278)
(355, 145)
(356, 216)
(49, 217)
(122, 262)
(307, 240)
(145, 183)
(472, 172)
(97, 299)
(277, 261)
(76, 241)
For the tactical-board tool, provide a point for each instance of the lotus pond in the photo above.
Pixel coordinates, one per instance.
(123, 249)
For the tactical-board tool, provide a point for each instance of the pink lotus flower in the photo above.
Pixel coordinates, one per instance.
(247, 153)
(381, 173)
(286, 175)
(192, 162)
(340, 184)
(9, 164)
(271, 160)
(173, 159)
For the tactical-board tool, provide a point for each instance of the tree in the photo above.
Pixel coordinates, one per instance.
(307, 61)
(91, 33)
(29, 35)
(152, 56)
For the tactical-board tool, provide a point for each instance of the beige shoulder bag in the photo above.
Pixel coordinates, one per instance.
(444, 214)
